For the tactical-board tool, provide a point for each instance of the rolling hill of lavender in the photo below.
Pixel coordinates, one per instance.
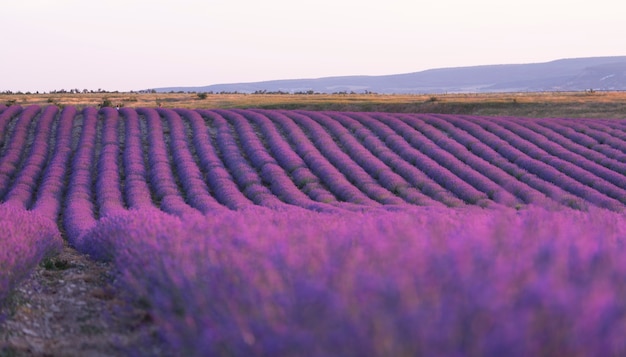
(279, 233)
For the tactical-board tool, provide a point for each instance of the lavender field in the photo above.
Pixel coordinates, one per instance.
(275, 232)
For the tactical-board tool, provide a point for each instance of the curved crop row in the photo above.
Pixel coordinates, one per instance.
(27, 179)
(191, 178)
(327, 173)
(161, 175)
(301, 176)
(552, 168)
(411, 129)
(14, 151)
(365, 156)
(525, 184)
(246, 177)
(335, 155)
(219, 179)
(272, 174)
(79, 214)
(108, 187)
(136, 189)
(567, 160)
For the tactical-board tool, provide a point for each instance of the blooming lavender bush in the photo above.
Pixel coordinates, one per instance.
(25, 239)
(428, 281)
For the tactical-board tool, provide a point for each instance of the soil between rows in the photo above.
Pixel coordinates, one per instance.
(68, 307)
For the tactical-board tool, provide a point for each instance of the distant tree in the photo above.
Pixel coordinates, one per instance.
(106, 102)
(202, 95)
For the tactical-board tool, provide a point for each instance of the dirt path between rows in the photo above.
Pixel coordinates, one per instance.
(68, 308)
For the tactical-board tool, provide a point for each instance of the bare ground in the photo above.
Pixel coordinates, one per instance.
(68, 307)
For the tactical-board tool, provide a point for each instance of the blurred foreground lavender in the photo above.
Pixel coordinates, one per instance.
(432, 282)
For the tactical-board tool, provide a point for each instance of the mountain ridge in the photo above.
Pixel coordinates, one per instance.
(570, 74)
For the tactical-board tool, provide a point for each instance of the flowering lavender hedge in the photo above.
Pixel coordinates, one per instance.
(357, 175)
(429, 281)
(528, 186)
(26, 181)
(51, 187)
(606, 140)
(566, 158)
(79, 214)
(354, 138)
(25, 239)
(380, 140)
(303, 178)
(196, 190)
(13, 152)
(5, 117)
(161, 176)
(329, 175)
(270, 170)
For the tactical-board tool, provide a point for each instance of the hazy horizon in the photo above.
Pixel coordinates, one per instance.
(140, 44)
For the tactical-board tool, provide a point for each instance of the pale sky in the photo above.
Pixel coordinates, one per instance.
(139, 44)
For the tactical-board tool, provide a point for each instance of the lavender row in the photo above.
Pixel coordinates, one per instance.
(161, 176)
(338, 158)
(220, 181)
(368, 164)
(373, 156)
(80, 214)
(527, 185)
(414, 129)
(136, 190)
(604, 161)
(566, 159)
(328, 174)
(108, 183)
(568, 176)
(13, 153)
(300, 174)
(425, 282)
(493, 172)
(191, 178)
(373, 136)
(5, 117)
(246, 177)
(503, 142)
(26, 238)
(270, 171)
(432, 178)
(26, 180)
(602, 138)
(53, 182)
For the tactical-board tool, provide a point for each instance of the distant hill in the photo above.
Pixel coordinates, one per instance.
(575, 74)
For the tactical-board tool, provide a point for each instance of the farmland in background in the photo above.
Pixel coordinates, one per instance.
(591, 104)
(360, 232)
